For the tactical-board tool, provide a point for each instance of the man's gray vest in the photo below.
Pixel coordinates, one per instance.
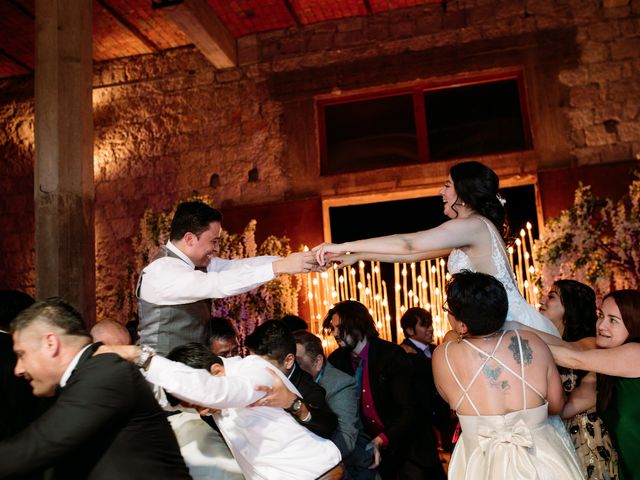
(164, 327)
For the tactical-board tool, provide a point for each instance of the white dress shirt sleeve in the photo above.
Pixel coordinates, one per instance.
(201, 388)
(170, 281)
(226, 264)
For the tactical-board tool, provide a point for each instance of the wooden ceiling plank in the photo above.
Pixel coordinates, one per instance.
(16, 61)
(197, 19)
(23, 9)
(130, 26)
(292, 12)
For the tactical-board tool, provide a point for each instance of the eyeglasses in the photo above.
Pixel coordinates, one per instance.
(445, 307)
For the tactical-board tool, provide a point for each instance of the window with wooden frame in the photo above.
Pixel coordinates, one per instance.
(425, 122)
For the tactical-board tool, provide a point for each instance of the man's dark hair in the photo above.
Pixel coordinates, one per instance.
(12, 302)
(355, 320)
(221, 328)
(194, 355)
(479, 300)
(295, 323)
(194, 217)
(413, 317)
(54, 312)
(311, 343)
(271, 339)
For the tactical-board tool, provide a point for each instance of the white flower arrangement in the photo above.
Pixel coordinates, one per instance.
(596, 241)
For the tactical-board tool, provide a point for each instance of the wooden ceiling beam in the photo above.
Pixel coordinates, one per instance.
(21, 64)
(135, 31)
(292, 12)
(197, 19)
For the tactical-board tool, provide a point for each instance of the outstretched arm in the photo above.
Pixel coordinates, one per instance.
(344, 260)
(622, 361)
(449, 235)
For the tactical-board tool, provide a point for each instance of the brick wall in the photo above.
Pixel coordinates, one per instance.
(165, 124)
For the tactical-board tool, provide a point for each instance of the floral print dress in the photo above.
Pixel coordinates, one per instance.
(590, 437)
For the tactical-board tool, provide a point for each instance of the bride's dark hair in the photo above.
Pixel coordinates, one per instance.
(477, 186)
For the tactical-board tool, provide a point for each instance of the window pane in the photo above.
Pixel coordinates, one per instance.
(474, 120)
(370, 134)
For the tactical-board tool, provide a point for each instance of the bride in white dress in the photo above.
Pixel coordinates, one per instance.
(472, 238)
(502, 383)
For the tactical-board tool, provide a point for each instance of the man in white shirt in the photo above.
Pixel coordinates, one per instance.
(266, 441)
(175, 290)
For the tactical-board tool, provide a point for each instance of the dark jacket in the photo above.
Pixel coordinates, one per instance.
(408, 429)
(104, 424)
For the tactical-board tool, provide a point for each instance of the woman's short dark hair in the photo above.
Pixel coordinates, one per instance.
(479, 300)
(477, 186)
(580, 310)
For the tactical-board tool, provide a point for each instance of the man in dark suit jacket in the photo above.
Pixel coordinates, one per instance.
(104, 423)
(417, 326)
(274, 342)
(401, 432)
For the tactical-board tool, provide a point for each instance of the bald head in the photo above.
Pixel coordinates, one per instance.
(110, 333)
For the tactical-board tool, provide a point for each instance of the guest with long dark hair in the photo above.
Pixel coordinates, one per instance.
(571, 306)
(617, 362)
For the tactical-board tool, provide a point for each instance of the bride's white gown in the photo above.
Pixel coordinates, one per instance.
(519, 310)
(518, 445)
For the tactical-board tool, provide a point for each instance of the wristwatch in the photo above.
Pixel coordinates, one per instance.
(295, 406)
(144, 359)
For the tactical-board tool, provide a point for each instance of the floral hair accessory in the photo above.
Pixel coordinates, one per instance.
(501, 199)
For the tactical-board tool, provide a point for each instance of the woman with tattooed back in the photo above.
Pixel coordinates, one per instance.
(503, 384)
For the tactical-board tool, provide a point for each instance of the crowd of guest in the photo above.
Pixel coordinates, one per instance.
(191, 399)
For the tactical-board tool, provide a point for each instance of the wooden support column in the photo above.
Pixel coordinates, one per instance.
(64, 191)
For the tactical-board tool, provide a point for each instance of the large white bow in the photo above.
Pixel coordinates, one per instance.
(519, 435)
(503, 453)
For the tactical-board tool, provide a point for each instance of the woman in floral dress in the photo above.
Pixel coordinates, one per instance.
(571, 306)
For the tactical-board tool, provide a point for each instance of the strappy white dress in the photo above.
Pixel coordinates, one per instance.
(517, 445)
(519, 310)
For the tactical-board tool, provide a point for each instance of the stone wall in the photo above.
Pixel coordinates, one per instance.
(170, 124)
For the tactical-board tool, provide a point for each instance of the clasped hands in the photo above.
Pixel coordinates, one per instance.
(320, 258)
(327, 254)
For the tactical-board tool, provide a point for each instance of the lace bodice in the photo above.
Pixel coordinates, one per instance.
(519, 310)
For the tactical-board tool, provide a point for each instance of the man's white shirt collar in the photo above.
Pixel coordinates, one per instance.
(176, 250)
(421, 346)
(67, 373)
